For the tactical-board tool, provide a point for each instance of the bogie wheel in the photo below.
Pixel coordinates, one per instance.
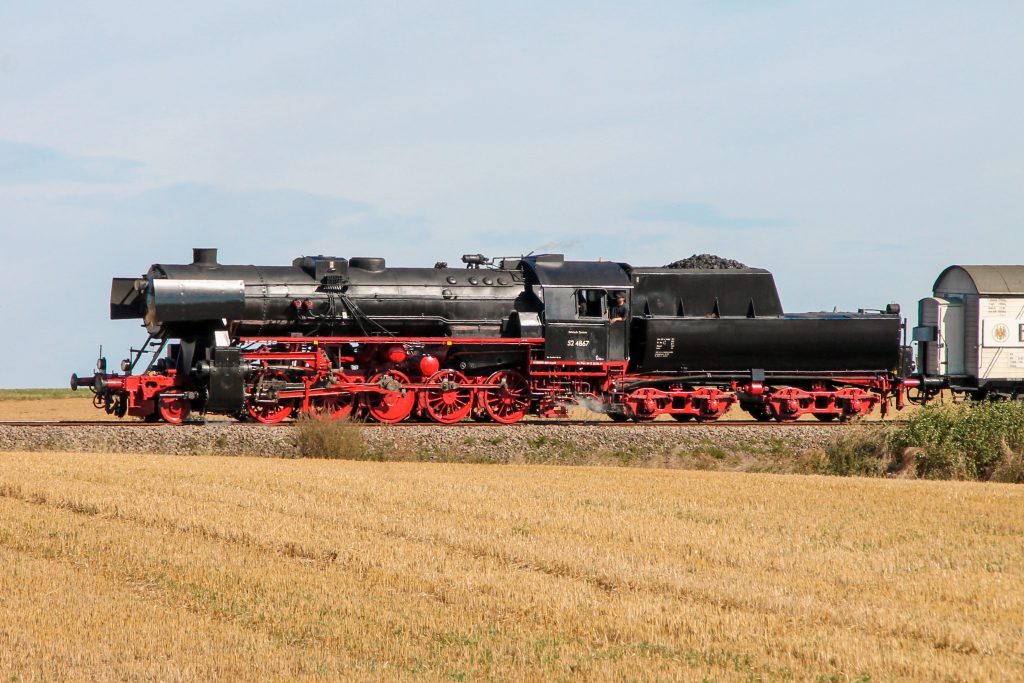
(449, 399)
(396, 402)
(617, 415)
(826, 417)
(173, 410)
(682, 417)
(510, 402)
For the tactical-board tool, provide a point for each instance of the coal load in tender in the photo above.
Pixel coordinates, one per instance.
(707, 262)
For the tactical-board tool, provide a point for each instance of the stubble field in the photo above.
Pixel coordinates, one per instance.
(122, 567)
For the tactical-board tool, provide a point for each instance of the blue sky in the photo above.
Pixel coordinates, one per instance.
(853, 149)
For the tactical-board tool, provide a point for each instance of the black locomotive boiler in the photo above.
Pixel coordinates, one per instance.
(496, 340)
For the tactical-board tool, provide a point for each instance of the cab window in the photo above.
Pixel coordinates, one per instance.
(590, 303)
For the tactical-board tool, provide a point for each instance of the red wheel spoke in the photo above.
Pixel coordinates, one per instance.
(450, 398)
(334, 406)
(510, 402)
(270, 414)
(394, 402)
(265, 411)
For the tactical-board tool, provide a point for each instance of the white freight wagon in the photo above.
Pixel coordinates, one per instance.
(971, 331)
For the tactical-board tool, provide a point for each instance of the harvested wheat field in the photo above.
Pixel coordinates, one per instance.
(49, 404)
(124, 567)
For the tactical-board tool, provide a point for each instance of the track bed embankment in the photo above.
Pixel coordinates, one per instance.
(583, 444)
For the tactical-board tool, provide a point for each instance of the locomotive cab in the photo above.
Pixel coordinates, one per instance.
(577, 298)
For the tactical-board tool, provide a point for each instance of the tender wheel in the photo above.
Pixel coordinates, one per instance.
(509, 403)
(617, 416)
(789, 403)
(825, 417)
(174, 410)
(396, 402)
(449, 398)
(681, 417)
(644, 405)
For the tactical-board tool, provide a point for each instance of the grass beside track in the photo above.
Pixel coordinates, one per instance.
(150, 567)
(40, 394)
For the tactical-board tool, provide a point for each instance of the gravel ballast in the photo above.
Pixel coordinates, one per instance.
(519, 443)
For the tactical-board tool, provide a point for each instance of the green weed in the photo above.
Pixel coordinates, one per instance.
(974, 440)
(317, 437)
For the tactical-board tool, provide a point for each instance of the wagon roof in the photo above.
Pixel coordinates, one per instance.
(987, 279)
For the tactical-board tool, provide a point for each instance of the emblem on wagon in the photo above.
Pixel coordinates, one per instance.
(1000, 332)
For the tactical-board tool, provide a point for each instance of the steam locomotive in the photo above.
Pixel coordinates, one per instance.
(496, 340)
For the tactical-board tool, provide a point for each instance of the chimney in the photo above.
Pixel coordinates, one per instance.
(204, 257)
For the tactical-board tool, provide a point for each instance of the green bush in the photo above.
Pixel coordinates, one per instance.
(319, 437)
(973, 440)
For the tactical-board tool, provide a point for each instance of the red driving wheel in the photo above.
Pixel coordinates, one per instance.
(510, 402)
(271, 413)
(395, 402)
(334, 406)
(449, 399)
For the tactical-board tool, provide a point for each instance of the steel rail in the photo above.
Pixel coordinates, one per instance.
(661, 424)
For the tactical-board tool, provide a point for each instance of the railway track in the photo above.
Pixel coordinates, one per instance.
(526, 423)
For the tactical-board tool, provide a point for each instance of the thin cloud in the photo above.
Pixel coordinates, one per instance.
(24, 163)
(697, 215)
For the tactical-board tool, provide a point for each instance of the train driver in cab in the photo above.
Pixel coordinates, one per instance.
(617, 311)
